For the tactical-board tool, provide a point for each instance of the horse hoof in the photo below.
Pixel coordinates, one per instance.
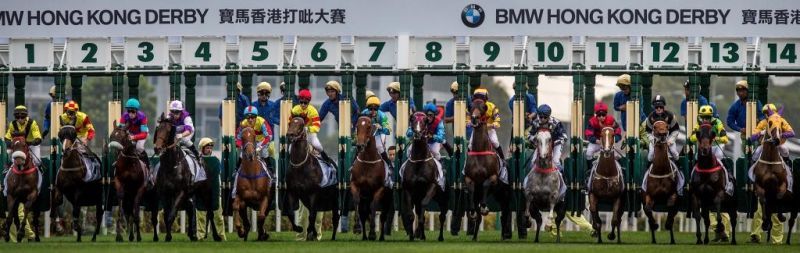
(94, 238)
(611, 236)
(168, 238)
(441, 238)
(698, 242)
(119, 238)
(781, 217)
(155, 238)
(766, 226)
(192, 238)
(372, 236)
(217, 238)
(297, 229)
(654, 227)
(705, 241)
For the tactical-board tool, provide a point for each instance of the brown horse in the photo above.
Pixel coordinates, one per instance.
(661, 183)
(252, 188)
(174, 181)
(770, 175)
(708, 187)
(303, 181)
(607, 186)
(22, 188)
(69, 181)
(482, 174)
(367, 179)
(420, 182)
(130, 177)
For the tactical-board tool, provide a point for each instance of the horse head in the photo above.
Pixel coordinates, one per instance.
(248, 144)
(660, 132)
(18, 143)
(364, 131)
(164, 136)
(120, 138)
(419, 126)
(607, 141)
(705, 140)
(297, 129)
(479, 109)
(773, 132)
(544, 143)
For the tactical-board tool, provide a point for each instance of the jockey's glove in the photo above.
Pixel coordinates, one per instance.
(35, 142)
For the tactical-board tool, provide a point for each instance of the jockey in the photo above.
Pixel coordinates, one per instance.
(25, 126)
(492, 115)
(184, 126)
(261, 127)
(706, 116)
(661, 114)
(435, 129)
(771, 113)
(311, 117)
(381, 123)
(136, 123)
(72, 116)
(593, 132)
(545, 121)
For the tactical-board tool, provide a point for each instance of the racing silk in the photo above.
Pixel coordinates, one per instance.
(263, 131)
(269, 110)
(595, 128)
(491, 116)
(717, 128)
(310, 116)
(380, 120)
(556, 129)
(668, 117)
(786, 129)
(82, 123)
(30, 129)
(183, 123)
(136, 127)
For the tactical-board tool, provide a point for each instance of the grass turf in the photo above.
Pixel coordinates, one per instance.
(488, 241)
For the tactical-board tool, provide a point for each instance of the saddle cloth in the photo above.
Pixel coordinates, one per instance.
(329, 175)
(198, 173)
(263, 168)
(728, 180)
(594, 169)
(5, 180)
(679, 180)
(789, 177)
(503, 170)
(439, 173)
(562, 187)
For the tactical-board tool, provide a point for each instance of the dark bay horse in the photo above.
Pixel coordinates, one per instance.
(130, 182)
(607, 186)
(543, 185)
(707, 186)
(661, 183)
(22, 189)
(69, 181)
(482, 174)
(252, 188)
(770, 175)
(420, 182)
(174, 181)
(303, 179)
(367, 180)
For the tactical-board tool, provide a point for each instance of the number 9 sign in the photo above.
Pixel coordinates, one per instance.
(491, 51)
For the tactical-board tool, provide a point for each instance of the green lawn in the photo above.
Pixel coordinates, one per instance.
(488, 242)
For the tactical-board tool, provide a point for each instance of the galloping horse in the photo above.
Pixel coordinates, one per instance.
(252, 188)
(482, 175)
(543, 185)
(130, 177)
(708, 187)
(607, 186)
(420, 182)
(661, 183)
(770, 175)
(173, 180)
(70, 181)
(22, 188)
(367, 179)
(304, 179)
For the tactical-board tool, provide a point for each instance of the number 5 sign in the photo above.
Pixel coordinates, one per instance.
(88, 53)
(318, 51)
(146, 52)
(261, 51)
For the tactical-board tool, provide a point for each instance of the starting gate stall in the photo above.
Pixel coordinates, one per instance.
(344, 42)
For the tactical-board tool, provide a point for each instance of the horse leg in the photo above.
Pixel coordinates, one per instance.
(792, 218)
(720, 229)
(408, 213)
(733, 214)
(361, 210)
(192, 216)
(336, 216)
(420, 230)
(28, 205)
(120, 210)
(98, 214)
(263, 207)
(311, 230)
(241, 220)
(36, 227)
(766, 216)
(561, 210)
(707, 223)
(597, 224)
(11, 205)
(616, 220)
(377, 201)
(292, 204)
(154, 222)
(76, 216)
(673, 210)
(648, 211)
(136, 210)
(697, 217)
(505, 212)
(441, 197)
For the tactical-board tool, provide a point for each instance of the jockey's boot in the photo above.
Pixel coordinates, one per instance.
(587, 173)
(448, 148)
(788, 161)
(385, 158)
(143, 157)
(327, 158)
(502, 154)
(194, 152)
(270, 165)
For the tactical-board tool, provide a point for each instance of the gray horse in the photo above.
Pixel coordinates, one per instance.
(544, 185)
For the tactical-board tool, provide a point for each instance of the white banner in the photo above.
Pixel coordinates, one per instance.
(149, 18)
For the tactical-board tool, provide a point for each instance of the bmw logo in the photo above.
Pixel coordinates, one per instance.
(472, 15)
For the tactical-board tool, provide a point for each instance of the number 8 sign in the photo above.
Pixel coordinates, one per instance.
(435, 51)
